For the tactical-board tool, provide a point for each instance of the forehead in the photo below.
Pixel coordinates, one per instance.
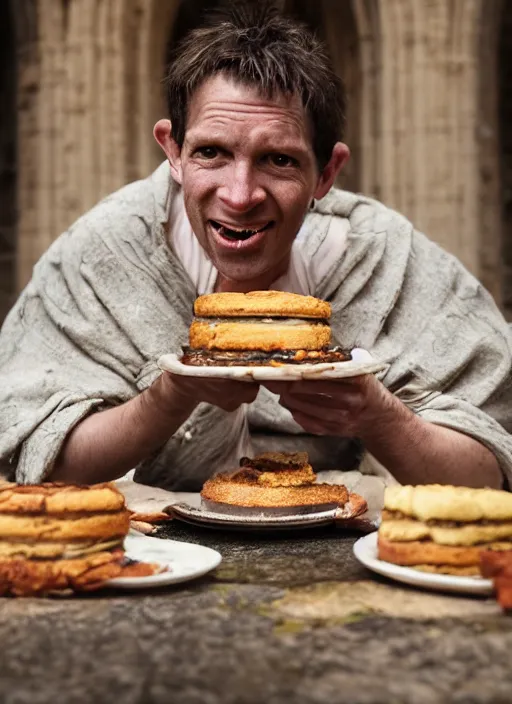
(221, 105)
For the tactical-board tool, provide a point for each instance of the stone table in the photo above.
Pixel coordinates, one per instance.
(285, 618)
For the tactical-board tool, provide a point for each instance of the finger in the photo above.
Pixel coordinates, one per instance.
(351, 402)
(330, 387)
(227, 388)
(314, 409)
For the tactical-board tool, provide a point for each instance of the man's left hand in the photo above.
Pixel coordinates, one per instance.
(345, 407)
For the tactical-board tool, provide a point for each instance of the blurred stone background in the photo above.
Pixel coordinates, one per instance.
(430, 119)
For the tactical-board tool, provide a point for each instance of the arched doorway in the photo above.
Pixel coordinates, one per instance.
(505, 125)
(8, 160)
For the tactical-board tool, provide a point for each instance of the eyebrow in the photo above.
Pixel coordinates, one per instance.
(196, 138)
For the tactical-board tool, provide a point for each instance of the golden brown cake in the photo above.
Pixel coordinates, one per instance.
(261, 304)
(274, 481)
(260, 328)
(57, 538)
(443, 529)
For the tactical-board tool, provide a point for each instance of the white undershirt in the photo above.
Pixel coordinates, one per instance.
(303, 273)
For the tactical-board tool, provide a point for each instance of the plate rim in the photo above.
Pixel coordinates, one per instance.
(164, 578)
(407, 575)
(199, 516)
(263, 373)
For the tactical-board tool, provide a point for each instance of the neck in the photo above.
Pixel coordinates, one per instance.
(260, 283)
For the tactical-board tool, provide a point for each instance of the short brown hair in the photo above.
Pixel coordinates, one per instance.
(254, 44)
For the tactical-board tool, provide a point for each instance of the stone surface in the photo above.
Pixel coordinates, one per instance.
(285, 618)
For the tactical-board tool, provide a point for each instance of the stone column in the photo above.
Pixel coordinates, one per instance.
(89, 93)
(420, 114)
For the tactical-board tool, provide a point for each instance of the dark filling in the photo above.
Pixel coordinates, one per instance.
(257, 358)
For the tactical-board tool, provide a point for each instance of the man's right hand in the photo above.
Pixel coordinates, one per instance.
(176, 394)
(103, 446)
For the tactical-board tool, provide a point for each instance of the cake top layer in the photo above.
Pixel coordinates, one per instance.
(261, 304)
(449, 503)
(59, 498)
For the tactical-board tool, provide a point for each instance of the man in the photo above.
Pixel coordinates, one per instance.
(254, 138)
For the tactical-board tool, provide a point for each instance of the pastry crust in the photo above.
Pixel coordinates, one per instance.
(21, 577)
(408, 529)
(258, 336)
(71, 527)
(60, 538)
(449, 503)
(356, 506)
(56, 549)
(261, 303)
(271, 478)
(469, 571)
(425, 552)
(254, 495)
(56, 497)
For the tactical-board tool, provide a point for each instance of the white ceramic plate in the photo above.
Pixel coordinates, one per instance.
(185, 561)
(361, 363)
(365, 550)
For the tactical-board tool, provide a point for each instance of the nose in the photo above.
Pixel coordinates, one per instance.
(241, 192)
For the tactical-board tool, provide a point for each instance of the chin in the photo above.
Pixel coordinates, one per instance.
(249, 277)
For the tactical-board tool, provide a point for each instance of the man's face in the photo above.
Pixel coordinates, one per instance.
(248, 174)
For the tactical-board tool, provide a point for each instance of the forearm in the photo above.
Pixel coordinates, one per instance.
(105, 445)
(418, 452)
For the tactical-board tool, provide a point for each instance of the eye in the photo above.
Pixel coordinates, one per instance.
(282, 160)
(206, 152)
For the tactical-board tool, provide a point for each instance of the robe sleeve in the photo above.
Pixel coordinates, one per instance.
(83, 336)
(452, 351)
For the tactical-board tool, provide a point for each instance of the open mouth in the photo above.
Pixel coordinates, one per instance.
(242, 234)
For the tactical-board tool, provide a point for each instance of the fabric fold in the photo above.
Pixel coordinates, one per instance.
(111, 295)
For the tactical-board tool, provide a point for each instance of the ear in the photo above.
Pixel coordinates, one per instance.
(339, 157)
(163, 135)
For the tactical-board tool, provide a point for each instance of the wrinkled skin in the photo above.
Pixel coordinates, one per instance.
(187, 392)
(345, 407)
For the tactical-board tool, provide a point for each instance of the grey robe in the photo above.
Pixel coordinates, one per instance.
(109, 297)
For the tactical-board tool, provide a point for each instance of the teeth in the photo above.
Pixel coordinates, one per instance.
(233, 234)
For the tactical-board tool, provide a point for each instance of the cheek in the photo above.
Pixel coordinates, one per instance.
(293, 198)
(198, 184)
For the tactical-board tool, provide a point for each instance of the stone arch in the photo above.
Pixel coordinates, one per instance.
(8, 159)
